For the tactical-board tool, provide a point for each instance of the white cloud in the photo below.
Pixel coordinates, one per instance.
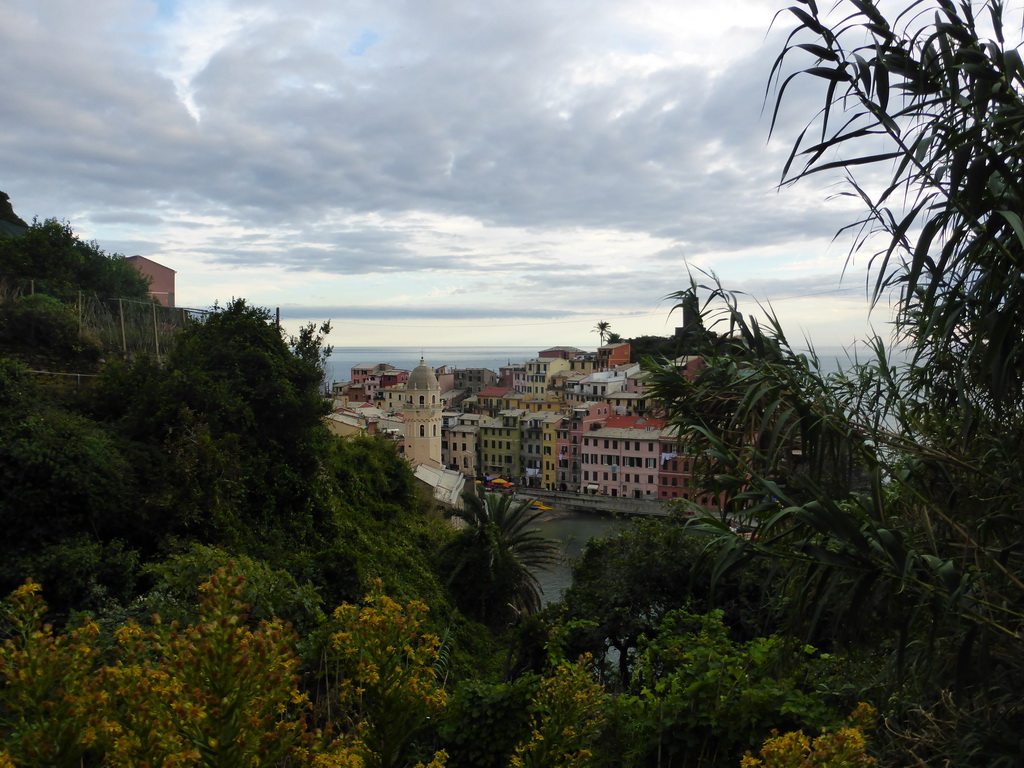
(428, 157)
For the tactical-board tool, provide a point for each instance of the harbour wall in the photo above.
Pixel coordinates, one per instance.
(584, 502)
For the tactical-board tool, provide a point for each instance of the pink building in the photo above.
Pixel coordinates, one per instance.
(509, 374)
(676, 479)
(374, 377)
(580, 421)
(621, 457)
(161, 278)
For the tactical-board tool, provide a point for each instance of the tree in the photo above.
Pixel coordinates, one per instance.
(493, 559)
(951, 139)
(893, 493)
(231, 432)
(602, 329)
(624, 585)
(51, 254)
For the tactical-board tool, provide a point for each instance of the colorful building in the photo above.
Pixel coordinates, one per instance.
(500, 444)
(621, 457)
(612, 355)
(161, 278)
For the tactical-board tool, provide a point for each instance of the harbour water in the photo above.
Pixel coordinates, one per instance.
(573, 530)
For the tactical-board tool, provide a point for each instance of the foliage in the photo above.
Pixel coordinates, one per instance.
(484, 722)
(704, 695)
(892, 494)
(843, 748)
(602, 330)
(624, 586)
(61, 474)
(44, 686)
(384, 669)
(222, 445)
(67, 500)
(309, 345)
(40, 324)
(216, 692)
(565, 719)
(491, 562)
(951, 139)
(50, 253)
(269, 593)
(228, 434)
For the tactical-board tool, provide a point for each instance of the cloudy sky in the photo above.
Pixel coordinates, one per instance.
(431, 171)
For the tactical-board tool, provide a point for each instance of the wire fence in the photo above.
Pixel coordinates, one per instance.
(129, 326)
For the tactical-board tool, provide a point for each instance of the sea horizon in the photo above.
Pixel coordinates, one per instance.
(343, 359)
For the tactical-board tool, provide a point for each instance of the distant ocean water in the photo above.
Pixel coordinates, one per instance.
(343, 359)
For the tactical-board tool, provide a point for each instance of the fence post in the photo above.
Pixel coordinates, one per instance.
(156, 337)
(124, 339)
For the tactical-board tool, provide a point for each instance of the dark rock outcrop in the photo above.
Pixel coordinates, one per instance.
(7, 211)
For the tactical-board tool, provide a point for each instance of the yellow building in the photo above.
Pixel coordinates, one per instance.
(549, 451)
(540, 371)
(500, 444)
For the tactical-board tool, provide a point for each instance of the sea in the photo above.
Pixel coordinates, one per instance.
(343, 359)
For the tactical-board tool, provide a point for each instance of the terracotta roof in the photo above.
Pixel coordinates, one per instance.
(495, 392)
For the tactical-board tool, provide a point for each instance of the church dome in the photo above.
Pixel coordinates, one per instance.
(422, 378)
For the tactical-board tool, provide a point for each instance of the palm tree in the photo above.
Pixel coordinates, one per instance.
(493, 559)
(602, 329)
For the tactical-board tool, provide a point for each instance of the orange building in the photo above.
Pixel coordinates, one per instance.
(611, 355)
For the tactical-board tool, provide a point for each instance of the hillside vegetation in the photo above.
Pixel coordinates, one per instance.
(228, 584)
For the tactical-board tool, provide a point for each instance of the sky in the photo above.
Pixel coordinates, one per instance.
(437, 172)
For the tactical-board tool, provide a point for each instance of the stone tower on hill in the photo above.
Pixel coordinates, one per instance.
(423, 417)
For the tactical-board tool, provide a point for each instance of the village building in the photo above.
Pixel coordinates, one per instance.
(161, 278)
(500, 444)
(621, 457)
(611, 355)
(473, 380)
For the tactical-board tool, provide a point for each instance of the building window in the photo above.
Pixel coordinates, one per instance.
(423, 431)
(422, 400)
